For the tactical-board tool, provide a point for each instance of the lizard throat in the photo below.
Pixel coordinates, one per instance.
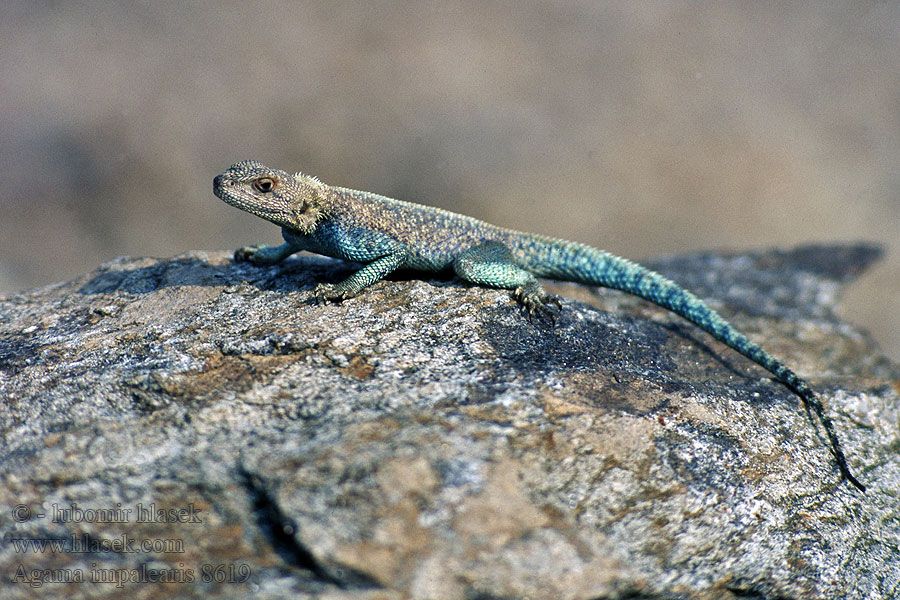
(305, 221)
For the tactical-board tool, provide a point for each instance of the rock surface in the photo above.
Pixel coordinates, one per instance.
(193, 428)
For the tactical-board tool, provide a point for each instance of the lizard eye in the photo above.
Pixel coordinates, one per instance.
(264, 184)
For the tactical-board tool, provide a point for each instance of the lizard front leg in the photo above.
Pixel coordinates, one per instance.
(369, 274)
(261, 254)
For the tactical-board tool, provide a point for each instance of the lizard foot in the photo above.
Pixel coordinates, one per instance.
(331, 291)
(537, 302)
(258, 254)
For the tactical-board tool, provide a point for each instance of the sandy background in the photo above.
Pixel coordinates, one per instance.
(641, 128)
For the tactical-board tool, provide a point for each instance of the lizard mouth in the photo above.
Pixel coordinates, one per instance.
(221, 185)
(229, 192)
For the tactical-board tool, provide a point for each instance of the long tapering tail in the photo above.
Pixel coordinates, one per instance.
(577, 262)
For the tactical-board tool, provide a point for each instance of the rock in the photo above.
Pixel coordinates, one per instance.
(190, 427)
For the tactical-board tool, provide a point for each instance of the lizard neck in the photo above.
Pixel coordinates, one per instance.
(313, 205)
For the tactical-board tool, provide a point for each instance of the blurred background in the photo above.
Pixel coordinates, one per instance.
(641, 128)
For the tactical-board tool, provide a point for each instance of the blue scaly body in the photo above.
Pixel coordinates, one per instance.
(384, 234)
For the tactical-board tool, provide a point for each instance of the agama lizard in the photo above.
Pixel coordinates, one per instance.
(384, 234)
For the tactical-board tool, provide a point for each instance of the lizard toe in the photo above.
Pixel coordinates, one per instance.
(538, 304)
(333, 292)
(325, 292)
(246, 253)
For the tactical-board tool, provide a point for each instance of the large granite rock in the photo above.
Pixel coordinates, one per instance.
(193, 428)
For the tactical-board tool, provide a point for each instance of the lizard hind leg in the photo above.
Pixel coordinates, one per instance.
(492, 264)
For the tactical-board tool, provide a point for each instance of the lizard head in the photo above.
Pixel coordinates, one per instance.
(293, 201)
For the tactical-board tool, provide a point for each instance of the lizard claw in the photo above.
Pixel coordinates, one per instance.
(324, 292)
(260, 254)
(330, 291)
(538, 304)
(247, 253)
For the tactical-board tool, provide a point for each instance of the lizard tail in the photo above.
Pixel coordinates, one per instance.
(811, 401)
(584, 264)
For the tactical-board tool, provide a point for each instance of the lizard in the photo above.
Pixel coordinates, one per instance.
(384, 234)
